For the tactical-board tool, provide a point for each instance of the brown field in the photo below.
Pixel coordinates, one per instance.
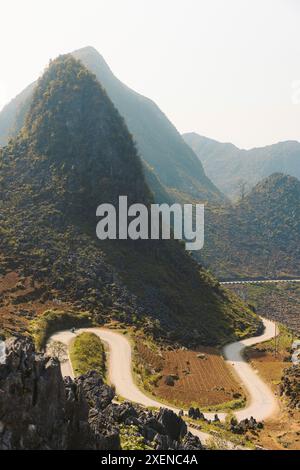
(21, 300)
(198, 381)
(268, 366)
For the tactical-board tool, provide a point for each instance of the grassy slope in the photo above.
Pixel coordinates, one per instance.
(87, 354)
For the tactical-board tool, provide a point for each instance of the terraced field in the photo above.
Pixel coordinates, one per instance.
(198, 377)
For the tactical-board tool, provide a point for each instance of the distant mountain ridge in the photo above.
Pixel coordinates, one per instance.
(171, 166)
(12, 115)
(229, 167)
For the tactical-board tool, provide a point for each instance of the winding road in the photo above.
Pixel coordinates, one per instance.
(261, 403)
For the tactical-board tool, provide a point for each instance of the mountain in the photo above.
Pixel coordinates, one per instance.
(171, 167)
(13, 114)
(234, 170)
(74, 153)
(158, 141)
(259, 236)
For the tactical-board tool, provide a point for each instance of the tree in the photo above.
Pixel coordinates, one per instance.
(58, 349)
(242, 188)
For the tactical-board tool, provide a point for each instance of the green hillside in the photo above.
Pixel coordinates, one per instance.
(259, 236)
(170, 163)
(74, 153)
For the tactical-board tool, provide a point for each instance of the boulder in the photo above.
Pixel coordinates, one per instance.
(191, 442)
(169, 380)
(174, 425)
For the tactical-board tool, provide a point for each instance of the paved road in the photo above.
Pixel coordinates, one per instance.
(265, 281)
(262, 403)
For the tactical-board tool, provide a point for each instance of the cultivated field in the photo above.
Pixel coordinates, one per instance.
(197, 377)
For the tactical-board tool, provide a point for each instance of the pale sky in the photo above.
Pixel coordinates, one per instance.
(227, 69)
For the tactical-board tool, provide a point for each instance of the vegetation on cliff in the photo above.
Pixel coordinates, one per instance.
(73, 154)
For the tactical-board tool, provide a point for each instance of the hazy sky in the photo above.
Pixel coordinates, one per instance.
(227, 69)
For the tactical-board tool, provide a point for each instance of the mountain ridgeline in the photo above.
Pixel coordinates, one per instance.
(235, 170)
(171, 167)
(73, 153)
(83, 158)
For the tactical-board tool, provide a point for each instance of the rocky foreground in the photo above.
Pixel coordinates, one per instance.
(41, 410)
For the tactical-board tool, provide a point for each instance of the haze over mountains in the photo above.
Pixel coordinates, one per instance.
(171, 166)
(73, 153)
(239, 238)
(229, 167)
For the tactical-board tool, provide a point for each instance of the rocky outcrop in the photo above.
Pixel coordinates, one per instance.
(290, 386)
(31, 399)
(41, 410)
(175, 427)
(195, 413)
(162, 430)
(88, 427)
(38, 410)
(245, 425)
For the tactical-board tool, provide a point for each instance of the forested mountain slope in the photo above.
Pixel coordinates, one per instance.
(74, 153)
(170, 164)
(260, 235)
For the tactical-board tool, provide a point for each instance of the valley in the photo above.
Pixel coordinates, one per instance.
(159, 332)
